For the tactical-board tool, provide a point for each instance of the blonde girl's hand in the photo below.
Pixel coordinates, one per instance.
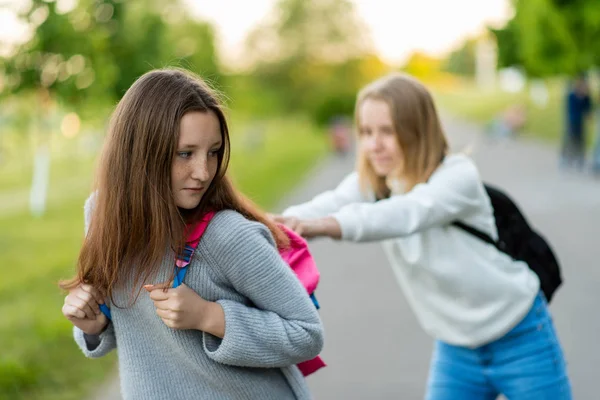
(81, 308)
(290, 222)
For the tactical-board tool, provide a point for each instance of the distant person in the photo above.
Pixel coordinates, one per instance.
(596, 152)
(340, 135)
(493, 330)
(241, 321)
(509, 122)
(578, 107)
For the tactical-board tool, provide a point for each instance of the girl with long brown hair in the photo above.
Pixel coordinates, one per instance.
(494, 334)
(241, 321)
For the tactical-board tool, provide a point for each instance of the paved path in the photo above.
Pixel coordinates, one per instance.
(374, 347)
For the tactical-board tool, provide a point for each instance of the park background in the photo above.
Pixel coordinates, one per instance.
(289, 71)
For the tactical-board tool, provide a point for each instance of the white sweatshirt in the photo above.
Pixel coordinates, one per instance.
(463, 291)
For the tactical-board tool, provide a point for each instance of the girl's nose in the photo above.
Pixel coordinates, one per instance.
(200, 170)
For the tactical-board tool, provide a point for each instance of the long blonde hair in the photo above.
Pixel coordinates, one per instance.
(418, 130)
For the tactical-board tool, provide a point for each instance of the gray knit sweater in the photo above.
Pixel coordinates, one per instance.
(270, 325)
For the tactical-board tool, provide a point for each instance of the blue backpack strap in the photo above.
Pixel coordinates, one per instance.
(179, 275)
(105, 310)
(315, 301)
(182, 264)
(183, 259)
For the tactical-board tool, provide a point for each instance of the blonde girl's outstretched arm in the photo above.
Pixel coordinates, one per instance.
(326, 203)
(455, 191)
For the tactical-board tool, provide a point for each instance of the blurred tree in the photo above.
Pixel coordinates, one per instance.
(582, 18)
(507, 38)
(65, 51)
(191, 44)
(550, 37)
(462, 60)
(423, 66)
(88, 56)
(156, 37)
(320, 30)
(310, 52)
(335, 95)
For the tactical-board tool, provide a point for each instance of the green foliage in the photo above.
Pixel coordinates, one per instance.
(507, 38)
(422, 65)
(333, 105)
(93, 53)
(305, 30)
(63, 52)
(462, 60)
(39, 357)
(314, 55)
(311, 56)
(549, 37)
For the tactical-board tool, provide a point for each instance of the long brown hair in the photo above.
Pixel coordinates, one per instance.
(418, 130)
(135, 220)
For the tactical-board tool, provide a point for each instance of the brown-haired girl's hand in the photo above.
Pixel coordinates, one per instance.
(183, 308)
(81, 308)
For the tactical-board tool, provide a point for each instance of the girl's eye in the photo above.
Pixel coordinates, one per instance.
(185, 154)
(214, 153)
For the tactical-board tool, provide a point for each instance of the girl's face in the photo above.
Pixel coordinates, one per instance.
(378, 139)
(196, 160)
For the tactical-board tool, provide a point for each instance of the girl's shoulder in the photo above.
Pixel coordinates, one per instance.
(458, 174)
(231, 240)
(458, 165)
(458, 159)
(229, 229)
(230, 219)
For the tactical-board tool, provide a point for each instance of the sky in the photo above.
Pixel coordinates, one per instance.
(397, 27)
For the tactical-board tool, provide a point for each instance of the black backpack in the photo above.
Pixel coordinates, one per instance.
(520, 241)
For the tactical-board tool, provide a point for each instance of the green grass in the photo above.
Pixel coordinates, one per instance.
(39, 359)
(467, 101)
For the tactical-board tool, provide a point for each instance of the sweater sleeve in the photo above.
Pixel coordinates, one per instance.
(453, 192)
(326, 203)
(95, 346)
(282, 327)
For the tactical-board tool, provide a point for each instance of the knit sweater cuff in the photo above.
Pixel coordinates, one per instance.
(94, 346)
(224, 350)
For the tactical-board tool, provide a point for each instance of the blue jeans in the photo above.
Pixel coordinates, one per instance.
(526, 363)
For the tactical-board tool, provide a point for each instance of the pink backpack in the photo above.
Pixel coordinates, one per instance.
(297, 256)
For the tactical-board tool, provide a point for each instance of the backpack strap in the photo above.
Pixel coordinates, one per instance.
(183, 260)
(105, 310)
(181, 264)
(315, 301)
(480, 235)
